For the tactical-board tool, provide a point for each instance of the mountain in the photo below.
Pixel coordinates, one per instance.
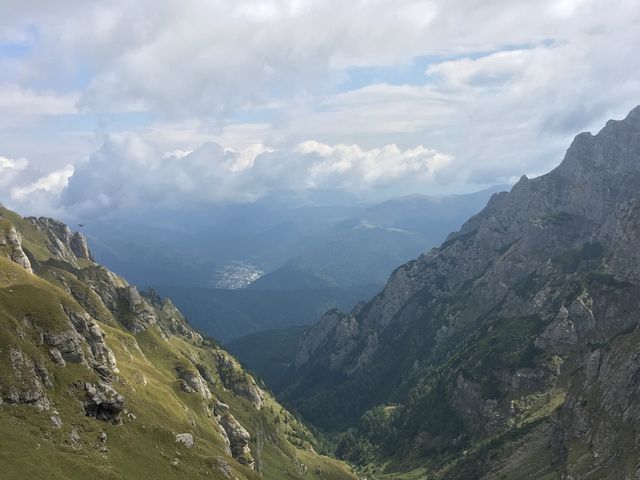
(320, 250)
(365, 248)
(99, 380)
(512, 350)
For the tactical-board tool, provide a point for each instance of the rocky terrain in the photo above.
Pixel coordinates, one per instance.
(100, 380)
(512, 350)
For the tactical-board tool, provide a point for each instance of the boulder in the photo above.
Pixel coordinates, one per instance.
(103, 402)
(185, 439)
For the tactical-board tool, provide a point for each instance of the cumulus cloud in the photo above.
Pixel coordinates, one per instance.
(500, 87)
(212, 58)
(129, 173)
(351, 167)
(7, 164)
(11, 170)
(27, 188)
(52, 183)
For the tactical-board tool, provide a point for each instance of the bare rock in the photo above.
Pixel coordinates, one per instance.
(185, 439)
(238, 438)
(74, 437)
(191, 381)
(103, 402)
(11, 246)
(56, 420)
(221, 466)
(27, 381)
(238, 381)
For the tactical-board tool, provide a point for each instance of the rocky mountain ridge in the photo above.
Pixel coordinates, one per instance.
(99, 379)
(511, 350)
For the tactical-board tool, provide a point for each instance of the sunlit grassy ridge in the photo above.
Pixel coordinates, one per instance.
(143, 446)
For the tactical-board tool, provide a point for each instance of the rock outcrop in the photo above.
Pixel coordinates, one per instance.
(236, 380)
(185, 439)
(11, 246)
(191, 381)
(103, 402)
(234, 435)
(62, 242)
(27, 381)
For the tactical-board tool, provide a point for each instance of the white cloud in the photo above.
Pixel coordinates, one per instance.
(506, 87)
(7, 164)
(20, 105)
(129, 173)
(213, 58)
(353, 168)
(52, 183)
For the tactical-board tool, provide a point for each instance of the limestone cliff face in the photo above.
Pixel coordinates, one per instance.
(61, 241)
(520, 325)
(11, 246)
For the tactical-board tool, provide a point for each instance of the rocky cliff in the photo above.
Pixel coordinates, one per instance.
(511, 351)
(99, 380)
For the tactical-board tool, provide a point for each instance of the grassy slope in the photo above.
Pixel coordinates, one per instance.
(144, 445)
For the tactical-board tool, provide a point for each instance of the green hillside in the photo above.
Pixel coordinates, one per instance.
(98, 381)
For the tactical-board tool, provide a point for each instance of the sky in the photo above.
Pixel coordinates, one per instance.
(116, 105)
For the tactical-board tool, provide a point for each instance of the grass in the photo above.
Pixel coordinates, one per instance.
(143, 446)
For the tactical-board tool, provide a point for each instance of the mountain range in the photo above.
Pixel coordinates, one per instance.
(284, 260)
(510, 351)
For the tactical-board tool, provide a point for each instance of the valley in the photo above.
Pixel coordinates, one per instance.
(509, 351)
(319, 240)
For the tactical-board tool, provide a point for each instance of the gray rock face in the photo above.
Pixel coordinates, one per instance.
(79, 246)
(221, 466)
(241, 384)
(63, 243)
(336, 331)
(27, 381)
(141, 313)
(103, 402)
(56, 420)
(11, 246)
(67, 346)
(235, 435)
(123, 300)
(169, 318)
(191, 381)
(553, 266)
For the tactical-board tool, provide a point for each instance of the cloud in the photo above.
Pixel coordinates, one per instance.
(214, 58)
(25, 106)
(7, 164)
(351, 167)
(53, 183)
(30, 190)
(129, 173)
(491, 89)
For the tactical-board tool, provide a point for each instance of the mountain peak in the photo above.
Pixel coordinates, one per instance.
(526, 312)
(613, 150)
